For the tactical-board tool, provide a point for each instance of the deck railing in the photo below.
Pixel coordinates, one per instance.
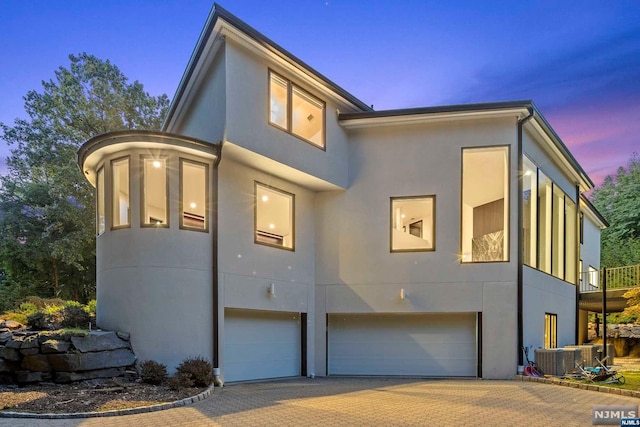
(617, 278)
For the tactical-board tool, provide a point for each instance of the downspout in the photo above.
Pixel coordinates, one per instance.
(217, 381)
(520, 257)
(576, 266)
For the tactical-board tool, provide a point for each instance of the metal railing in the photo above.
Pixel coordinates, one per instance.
(617, 278)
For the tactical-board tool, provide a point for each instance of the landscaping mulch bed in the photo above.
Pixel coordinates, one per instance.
(88, 396)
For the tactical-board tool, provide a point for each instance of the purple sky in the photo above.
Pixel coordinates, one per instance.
(578, 60)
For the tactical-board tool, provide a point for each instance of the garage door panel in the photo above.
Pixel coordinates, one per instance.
(386, 344)
(261, 344)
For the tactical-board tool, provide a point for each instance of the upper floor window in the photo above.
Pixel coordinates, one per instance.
(193, 195)
(413, 223)
(274, 217)
(100, 201)
(485, 204)
(296, 111)
(121, 193)
(155, 192)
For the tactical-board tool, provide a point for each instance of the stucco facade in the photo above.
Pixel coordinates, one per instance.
(334, 296)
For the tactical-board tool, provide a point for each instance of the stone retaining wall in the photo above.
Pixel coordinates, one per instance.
(625, 338)
(35, 356)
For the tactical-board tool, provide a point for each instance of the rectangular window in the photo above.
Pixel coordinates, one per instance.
(155, 192)
(571, 248)
(274, 217)
(530, 211)
(100, 201)
(550, 330)
(194, 188)
(545, 193)
(485, 204)
(121, 193)
(593, 277)
(581, 273)
(296, 111)
(413, 224)
(557, 233)
(581, 228)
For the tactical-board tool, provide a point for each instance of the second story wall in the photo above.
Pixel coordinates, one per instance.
(248, 119)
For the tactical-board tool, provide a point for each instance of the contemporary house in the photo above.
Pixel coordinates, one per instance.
(281, 227)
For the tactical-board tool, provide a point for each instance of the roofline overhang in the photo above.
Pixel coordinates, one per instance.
(593, 212)
(221, 22)
(142, 137)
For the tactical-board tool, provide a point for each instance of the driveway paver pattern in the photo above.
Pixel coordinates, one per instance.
(370, 402)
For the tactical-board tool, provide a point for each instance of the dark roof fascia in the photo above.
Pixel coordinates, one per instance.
(594, 210)
(220, 12)
(457, 108)
(116, 137)
(560, 144)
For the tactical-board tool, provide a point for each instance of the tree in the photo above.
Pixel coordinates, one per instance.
(47, 240)
(618, 199)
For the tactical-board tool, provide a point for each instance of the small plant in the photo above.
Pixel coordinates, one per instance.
(153, 372)
(73, 332)
(198, 369)
(74, 316)
(91, 307)
(179, 381)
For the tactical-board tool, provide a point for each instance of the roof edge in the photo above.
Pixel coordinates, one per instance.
(595, 211)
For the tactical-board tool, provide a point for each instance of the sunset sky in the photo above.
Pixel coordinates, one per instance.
(579, 61)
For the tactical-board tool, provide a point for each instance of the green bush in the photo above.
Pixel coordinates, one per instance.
(153, 372)
(37, 321)
(198, 369)
(180, 381)
(91, 307)
(75, 316)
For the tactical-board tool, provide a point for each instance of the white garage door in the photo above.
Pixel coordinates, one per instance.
(439, 345)
(261, 344)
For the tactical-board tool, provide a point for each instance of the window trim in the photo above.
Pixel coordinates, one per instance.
(433, 223)
(128, 224)
(166, 158)
(104, 201)
(207, 213)
(255, 216)
(289, 128)
(507, 192)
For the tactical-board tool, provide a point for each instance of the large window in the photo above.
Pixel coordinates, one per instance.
(274, 217)
(485, 204)
(550, 330)
(530, 209)
(296, 111)
(100, 201)
(550, 225)
(155, 192)
(193, 195)
(121, 193)
(413, 223)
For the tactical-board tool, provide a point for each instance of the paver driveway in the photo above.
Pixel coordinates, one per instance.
(371, 402)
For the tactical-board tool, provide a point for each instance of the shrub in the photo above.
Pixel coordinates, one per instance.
(153, 372)
(27, 308)
(198, 369)
(91, 307)
(180, 381)
(37, 321)
(74, 316)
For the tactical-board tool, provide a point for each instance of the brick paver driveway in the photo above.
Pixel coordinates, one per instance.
(371, 402)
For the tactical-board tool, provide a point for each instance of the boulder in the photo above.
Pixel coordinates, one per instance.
(5, 336)
(10, 354)
(55, 346)
(23, 377)
(74, 362)
(124, 335)
(7, 366)
(11, 324)
(67, 377)
(99, 341)
(30, 342)
(36, 363)
(29, 351)
(14, 343)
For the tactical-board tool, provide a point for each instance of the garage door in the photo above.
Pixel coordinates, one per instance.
(403, 344)
(261, 344)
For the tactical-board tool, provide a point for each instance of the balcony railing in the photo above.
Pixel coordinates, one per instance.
(617, 278)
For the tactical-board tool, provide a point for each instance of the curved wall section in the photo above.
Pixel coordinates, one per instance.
(155, 274)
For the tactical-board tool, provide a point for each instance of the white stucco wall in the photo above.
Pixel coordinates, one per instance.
(247, 269)
(156, 283)
(357, 273)
(248, 127)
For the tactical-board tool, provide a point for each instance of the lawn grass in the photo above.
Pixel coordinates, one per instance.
(632, 381)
